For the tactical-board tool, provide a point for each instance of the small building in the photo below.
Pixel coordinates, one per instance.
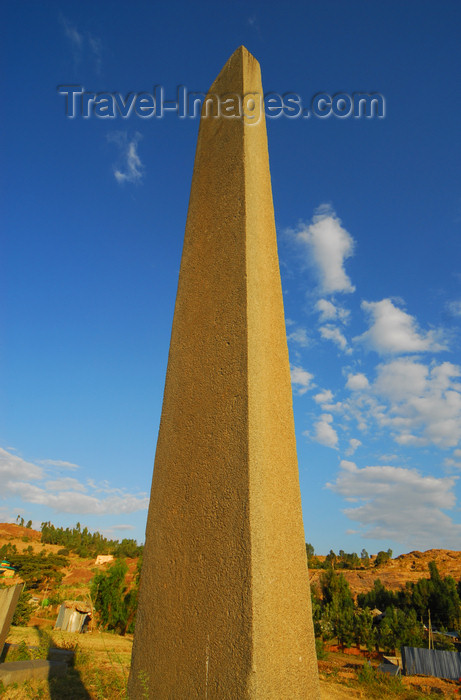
(103, 559)
(6, 570)
(73, 616)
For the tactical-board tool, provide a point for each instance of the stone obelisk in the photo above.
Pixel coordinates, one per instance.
(224, 604)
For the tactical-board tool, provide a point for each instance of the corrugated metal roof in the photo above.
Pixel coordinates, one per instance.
(431, 662)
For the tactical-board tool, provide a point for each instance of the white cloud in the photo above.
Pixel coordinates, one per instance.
(299, 336)
(66, 495)
(130, 169)
(331, 312)
(301, 379)
(401, 379)
(13, 467)
(328, 245)
(324, 433)
(357, 382)
(400, 504)
(393, 331)
(424, 402)
(333, 333)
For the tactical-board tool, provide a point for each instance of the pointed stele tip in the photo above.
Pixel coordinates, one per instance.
(241, 54)
(240, 63)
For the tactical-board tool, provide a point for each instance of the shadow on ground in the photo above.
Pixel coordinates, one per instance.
(68, 686)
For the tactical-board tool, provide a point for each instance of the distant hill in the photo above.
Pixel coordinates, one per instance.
(77, 575)
(393, 574)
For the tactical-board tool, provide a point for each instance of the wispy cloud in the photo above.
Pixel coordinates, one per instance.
(75, 37)
(121, 528)
(83, 44)
(129, 167)
(454, 307)
(58, 463)
(327, 245)
(393, 331)
(299, 336)
(29, 482)
(354, 444)
(399, 504)
(330, 332)
(66, 484)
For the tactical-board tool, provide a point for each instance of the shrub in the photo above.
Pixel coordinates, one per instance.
(320, 649)
(23, 609)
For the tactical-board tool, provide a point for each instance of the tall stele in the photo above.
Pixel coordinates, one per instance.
(224, 603)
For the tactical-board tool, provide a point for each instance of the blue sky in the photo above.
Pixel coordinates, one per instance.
(368, 215)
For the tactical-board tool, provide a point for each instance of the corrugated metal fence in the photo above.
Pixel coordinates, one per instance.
(431, 662)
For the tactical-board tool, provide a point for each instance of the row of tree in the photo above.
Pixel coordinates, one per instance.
(36, 570)
(88, 544)
(345, 560)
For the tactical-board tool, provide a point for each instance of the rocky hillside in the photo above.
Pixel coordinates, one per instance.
(396, 572)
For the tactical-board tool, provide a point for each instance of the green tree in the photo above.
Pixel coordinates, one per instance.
(379, 597)
(345, 627)
(400, 628)
(365, 558)
(330, 560)
(113, 601)
(364, 631)
(383, 557)
(338, 606)
(444, 602)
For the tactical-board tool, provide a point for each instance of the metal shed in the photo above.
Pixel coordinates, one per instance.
(73, 615)
(431, 662)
